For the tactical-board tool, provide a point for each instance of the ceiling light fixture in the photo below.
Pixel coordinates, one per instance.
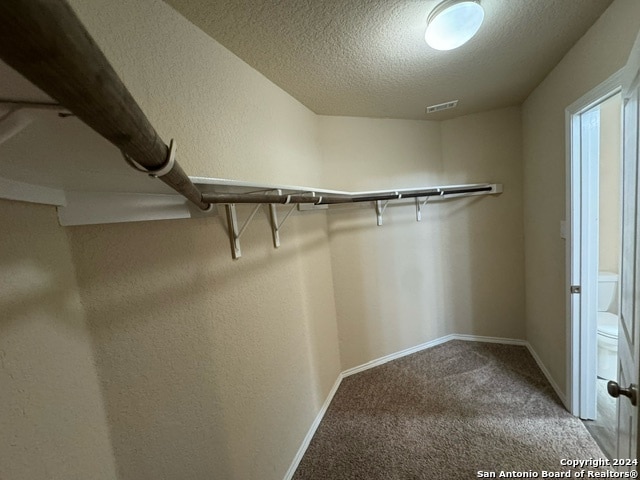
(453, 23)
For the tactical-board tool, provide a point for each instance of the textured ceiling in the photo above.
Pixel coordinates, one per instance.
(368, 57)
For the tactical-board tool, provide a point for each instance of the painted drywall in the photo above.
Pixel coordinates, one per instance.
(597, 55)
(610, 184)
(460, 270)
(211, 368)
(228, 120)
(52, 420)
(215, 369)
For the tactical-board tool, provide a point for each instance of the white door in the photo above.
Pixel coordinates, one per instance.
(629, 333)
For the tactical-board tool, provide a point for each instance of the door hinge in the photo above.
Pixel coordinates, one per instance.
(575, 289)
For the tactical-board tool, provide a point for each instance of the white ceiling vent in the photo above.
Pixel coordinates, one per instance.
(442, 106)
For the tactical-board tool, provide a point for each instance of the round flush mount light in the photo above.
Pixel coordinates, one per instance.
(453, 23)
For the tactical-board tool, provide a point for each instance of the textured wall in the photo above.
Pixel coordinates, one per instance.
(210, 368)
(601, 52)
(458, 271)
(52, 420)
(229, 121)
(610, 184)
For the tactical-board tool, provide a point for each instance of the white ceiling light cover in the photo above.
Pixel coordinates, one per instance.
(453, 23)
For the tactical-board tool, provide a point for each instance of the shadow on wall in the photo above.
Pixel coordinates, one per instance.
(409, 282)
(483, 273)
(314, 266)
(387, 290)
(204, 361)
(32, 284)
(52, 418)
(372, 154)
(458, 271)
(35, 283)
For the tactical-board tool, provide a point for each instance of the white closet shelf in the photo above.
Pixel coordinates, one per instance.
(222, 185)
(85, 206)
(230, 192)
(49, 156)
(55, 159)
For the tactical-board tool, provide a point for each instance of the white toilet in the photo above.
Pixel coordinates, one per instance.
(607, 326)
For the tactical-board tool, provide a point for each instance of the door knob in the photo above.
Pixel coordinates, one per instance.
(615, 391)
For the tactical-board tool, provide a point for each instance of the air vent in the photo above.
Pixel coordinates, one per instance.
(442, 106)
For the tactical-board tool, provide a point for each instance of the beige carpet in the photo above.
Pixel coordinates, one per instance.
(446, 413)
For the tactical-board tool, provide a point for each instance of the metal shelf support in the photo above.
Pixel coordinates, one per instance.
(380, 208)
(232, 227)
(419, 206)
(310, 200)
(275, 226)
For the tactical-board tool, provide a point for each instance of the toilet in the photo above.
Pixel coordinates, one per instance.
(607, 326)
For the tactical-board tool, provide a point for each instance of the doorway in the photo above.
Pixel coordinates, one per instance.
(601, 159)
(594, 180)
(583, 254)
(582, 261)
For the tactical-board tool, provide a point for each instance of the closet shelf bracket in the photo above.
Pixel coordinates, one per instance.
(381, 207)
(275, 226)
(296, 197)
(419, 206)
(15, 116)
(236, 232)
(232, 227)
(379, 211)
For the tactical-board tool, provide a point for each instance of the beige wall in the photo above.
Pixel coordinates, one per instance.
(52, 420)
(458, 271)
(215, 368)
(601, 52)
(211, 368)
(610, 184)
(229, 121)
(368, 154)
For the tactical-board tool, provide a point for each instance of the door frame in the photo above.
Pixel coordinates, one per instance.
(629, 319)
(581, 253)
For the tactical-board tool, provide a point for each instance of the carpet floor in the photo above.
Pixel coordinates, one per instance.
(448, 412)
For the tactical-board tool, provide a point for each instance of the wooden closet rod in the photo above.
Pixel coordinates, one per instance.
(45, 42)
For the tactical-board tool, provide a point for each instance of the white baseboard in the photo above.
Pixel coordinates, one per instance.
(396, 355)
(477, 338)
(404, 353)
(312, 429)
(424, 346)
(546, 373)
